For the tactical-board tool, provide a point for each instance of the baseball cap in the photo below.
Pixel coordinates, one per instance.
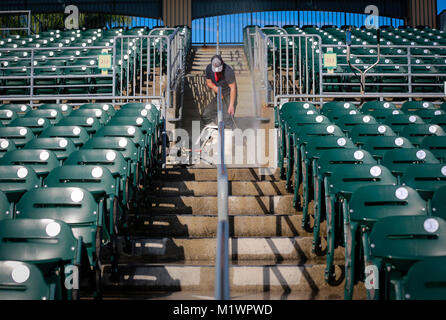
(217, 63)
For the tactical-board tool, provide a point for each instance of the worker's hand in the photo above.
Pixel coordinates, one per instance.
(231, 110)
(215, 89)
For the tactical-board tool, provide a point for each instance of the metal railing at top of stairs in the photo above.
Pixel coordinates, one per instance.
(222, 258)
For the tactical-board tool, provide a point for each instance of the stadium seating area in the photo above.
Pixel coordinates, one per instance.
(58, 62)
(69, 178)
(411, 59)
(378, 182)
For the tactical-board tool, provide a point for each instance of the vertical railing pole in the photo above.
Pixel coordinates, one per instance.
(222, 258)
(218, 38)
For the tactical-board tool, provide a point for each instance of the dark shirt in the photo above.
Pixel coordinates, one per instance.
(227, 77)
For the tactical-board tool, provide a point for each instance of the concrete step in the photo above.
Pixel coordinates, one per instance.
(237, 205)
(210, 174)
(206, 226)
(272, 249)
(206, 188)
(252, 279)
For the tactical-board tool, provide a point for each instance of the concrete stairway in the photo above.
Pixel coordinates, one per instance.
(174, 242)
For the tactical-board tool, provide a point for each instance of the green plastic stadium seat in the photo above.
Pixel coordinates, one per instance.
(19, 109)
(6, 146)
(35, 124)
(61, 147)
(368, 205)
(98, 114)
(6, 116)
(425, 178)
(46, 243)
(77, 134)
(5, 207)
(23, 281)
(91, 124)
(377, 105)
(435, 144)
(413, 106)
(378, 146)
(398, 242)
(342, 183)
(53, 115)
(362, 132)
(415, 133)
(64, 109)
(18, 135)
(398, 160)
(108, 108)
(40, 160)
(348, 122)
(382, 114)
(398, 122)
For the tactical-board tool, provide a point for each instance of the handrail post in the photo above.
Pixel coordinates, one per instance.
(222, 257)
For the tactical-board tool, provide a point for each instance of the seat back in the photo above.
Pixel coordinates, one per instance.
(334, 158)
(63, 108)
(349, 122)
(6, 116)
(398, 122)
(108, 108)
(374, 202)
(40, 160)
(96, 179)
(97, 114)
(61, 147)
(413, 106)
(123, 145)
(426, 280)
(378, 146)
(15, 180)
(6, 146)
(398, 160)
(91, 124)
(417, 132)
(377, 105)
(436, 145)
(130, 132)
(20, 109)
(35, 124)
(77, 134)
(19, 135)
(361, 132)
(5, 209)
(403, 240)
(426, 178)
(38, 241)
(22, 281)
(75, 206)
(53, 115)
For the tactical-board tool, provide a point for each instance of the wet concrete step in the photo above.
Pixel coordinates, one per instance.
(210, 174)
(274, 249)
(206, 226)
(237, 205)
(252, 279)
(209, 188)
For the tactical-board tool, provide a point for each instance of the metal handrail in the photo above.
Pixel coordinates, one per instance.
(222, 258)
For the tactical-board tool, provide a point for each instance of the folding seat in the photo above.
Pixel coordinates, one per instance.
(147, 129)
(35, 124)
(436, 145)
(368, 205)
(96, 179)
(413, 106)
(77, 134)
(40, 160)
(108, 108)
(310, 153)
(289, 139)
(348, 122)
(397, 242)
(399, 160)
(382, 114)
(47, 77)
(124, 146)
(23, 281)
(15, 181)
(53, 115)
(61, 147)
(328, 161)
(378, 146)
(342, 183)
(76, 207)
(6, 146)
(6, 116)
(360, 133)
(428, 114)
(81, 68)
(48, 244)
(439, 119)
(426, 178)
(91, 124)
(415, 133)
(97, 114)
(399, 121)
(19, 109)
(425, 280)
(106, 158)
(19, 135)
(63, 108)
(376, 105)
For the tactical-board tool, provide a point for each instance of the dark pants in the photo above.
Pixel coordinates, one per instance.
(210, 113)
